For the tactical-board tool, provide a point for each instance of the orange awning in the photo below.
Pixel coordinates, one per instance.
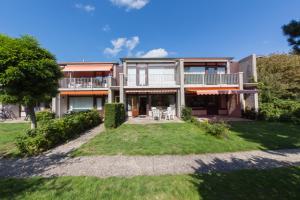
(88, 68)
(84, 93)
(218, 92)
(151, 91)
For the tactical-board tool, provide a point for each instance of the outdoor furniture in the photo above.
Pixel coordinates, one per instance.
(156, 114)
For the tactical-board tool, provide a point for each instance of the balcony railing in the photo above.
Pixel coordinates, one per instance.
(211, 79)
(152, 80)
(83, 83)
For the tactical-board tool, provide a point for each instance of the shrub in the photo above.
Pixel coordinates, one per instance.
(217, 129)
(186, 113)
(45, 115)
(280, 110)
(250, 114)
(57, 131)
(114, 115)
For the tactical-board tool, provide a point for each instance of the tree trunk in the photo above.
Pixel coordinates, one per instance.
(32, 117)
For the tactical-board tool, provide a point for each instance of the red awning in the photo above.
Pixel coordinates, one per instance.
(151, 91)
(218, 92)
(88, 68)
(84, 93)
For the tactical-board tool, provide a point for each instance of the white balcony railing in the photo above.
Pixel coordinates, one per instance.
(152, 80)
(83, 83)
(211, 79)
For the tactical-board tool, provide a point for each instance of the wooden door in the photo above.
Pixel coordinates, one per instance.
(135, 110)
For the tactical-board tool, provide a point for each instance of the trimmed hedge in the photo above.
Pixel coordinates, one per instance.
(114, 115)
(57, 131)
(44, 115)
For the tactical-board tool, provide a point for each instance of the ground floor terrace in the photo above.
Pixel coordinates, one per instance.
(70, 101)
(143, 102)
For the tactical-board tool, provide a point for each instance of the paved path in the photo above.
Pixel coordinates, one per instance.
(65, 149)
(107, 166)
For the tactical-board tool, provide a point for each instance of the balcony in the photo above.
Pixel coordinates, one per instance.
(211, 79)
(153, 80)
(83, 83)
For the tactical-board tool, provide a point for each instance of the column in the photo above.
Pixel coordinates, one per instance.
(181, 74)
(241, 86)
(109, 98)
(122, 98)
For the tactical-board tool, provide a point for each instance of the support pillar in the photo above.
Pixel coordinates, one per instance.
(241, 87)
(109, 97)
(122, 98)
(181, 91)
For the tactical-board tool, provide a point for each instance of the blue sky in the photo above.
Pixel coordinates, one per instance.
(104, 30)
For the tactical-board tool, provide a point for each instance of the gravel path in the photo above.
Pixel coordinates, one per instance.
(124, 166)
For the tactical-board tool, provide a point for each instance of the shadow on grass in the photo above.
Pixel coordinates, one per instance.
(214, 181)
(17, 188)
(270, 135)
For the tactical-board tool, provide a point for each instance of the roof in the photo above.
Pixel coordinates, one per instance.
(185, 58)
(87, 66)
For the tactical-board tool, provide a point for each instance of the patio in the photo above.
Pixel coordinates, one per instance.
(150, 120)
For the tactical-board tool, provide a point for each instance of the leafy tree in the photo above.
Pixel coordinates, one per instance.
(29, 73)
(292, 30)
(279, 77)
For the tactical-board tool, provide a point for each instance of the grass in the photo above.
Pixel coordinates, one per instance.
(281, 183)
(8, 134)
(185, 138)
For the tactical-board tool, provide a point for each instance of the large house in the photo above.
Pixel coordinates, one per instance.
(210, 86)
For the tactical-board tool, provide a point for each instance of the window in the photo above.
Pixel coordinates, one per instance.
(99, 103)
(221, 70)
(195, 69)
(81, 103)
(162, 100)
(161, 75)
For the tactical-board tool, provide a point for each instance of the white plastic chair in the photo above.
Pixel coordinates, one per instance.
(156, 114)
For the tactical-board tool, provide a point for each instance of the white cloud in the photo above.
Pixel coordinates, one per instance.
(106, 28)
(121, 43)
(154, 53)
(117, 47)
(132, 43)
(86, 8)
(131, 4)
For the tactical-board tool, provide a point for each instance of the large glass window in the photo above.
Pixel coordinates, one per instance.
(195, 69)
(81, 103)
(162, 100)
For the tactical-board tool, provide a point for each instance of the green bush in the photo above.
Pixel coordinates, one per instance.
(45, 115)
(57, 131)
(280, 110)
(186, 114)
(114, 115)
(250, 114)
(217, 129)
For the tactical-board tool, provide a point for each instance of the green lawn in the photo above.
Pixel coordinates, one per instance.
(8, 134)
(185, 138)
(282, 183)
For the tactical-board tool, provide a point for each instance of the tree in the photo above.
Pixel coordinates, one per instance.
(279, 77)
(29, 73)
(292, 30)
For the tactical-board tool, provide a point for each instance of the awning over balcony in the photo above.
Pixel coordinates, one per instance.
(218, 92)
(88, 68)
(152, 91)
(83, 93)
